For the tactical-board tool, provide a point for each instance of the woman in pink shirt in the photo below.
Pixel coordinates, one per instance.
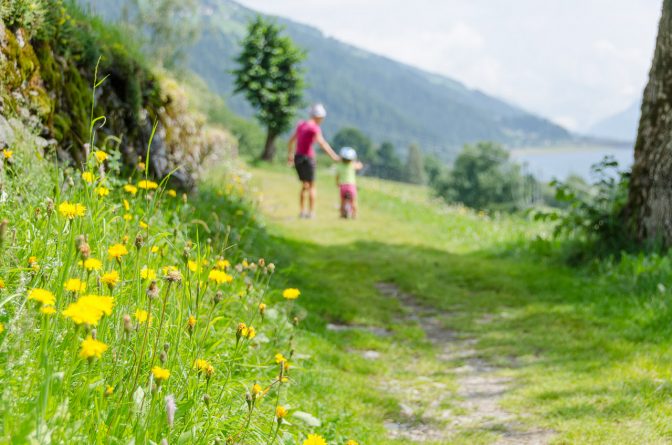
(306, 135)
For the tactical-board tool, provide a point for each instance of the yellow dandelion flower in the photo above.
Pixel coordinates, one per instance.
(2, 328)
(351, 442)
(81, 314)
(219, 276)
(127, 206)
(89, 309)
(117, 251)
(109, 390)
(88, 177)
(103, 304)
(160, 374)
(191, 321)
(222, 264)
(48, 310)
(92, 264)
(100, 155)
(2, 283)
(142, 316)
(143, 225)
(147, 274)
(91, 348)
(102, 191)
(110, 278)
(279, 358)
(280, 412)
(314, 439)
(130, 188)
(154, 249)
(201, 365)
(127, 216)
(291, 293)
(42, 296)
(7, 154)
(33, 264)
(147, 185)
(192, 265)
(241, 330)
(251, 333)
(256, 389)
(71, 210)
(75, 285)
(172, 193)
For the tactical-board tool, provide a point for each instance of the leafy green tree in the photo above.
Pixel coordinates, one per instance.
(352, 137)
(482, 177)
(434, 169)
(387, 164)
(415, 171)
(269, 74)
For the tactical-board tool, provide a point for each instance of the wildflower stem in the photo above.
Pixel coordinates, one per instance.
(158, 333)
(142, 348)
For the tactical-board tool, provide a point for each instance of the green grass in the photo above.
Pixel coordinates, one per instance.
(588, 347)
(53, 391)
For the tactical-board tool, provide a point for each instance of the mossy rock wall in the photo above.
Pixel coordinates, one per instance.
(51, 91)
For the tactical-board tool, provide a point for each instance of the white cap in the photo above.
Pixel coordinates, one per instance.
(318, 110)
(348, 153)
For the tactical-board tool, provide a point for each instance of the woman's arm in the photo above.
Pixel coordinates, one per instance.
(290, 150)
(327, 148)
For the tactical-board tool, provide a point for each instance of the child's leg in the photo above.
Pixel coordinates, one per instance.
(342, 195)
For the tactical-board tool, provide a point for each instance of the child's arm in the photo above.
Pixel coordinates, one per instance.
(358, 166)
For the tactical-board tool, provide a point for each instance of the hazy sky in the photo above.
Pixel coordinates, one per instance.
(574, 61)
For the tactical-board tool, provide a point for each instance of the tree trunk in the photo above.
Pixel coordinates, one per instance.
(269, 148)
(649, 207)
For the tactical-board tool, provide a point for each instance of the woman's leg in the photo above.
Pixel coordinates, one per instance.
(305, 186)
(312, 193)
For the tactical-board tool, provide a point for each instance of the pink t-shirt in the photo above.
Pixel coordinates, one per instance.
(306, 134)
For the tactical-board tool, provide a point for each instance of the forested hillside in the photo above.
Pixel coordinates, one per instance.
(386, 99)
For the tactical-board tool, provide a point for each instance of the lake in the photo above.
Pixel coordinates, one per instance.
(559, 163)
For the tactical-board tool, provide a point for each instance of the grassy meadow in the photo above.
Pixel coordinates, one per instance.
(131, 313)
(587, 347)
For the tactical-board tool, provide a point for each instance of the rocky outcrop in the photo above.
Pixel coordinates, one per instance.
(50, 92)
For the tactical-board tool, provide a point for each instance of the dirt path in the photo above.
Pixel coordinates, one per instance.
(480, 388)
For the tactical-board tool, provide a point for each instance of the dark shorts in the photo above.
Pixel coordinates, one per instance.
(305, 167)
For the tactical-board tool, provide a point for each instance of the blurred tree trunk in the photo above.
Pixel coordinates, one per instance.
(649, 207)
(269, 146)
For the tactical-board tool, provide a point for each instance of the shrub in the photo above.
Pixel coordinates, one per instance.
(483, 178)
(592, 215)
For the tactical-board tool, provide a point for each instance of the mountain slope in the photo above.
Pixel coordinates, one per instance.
(620, 126)
(386, 99)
